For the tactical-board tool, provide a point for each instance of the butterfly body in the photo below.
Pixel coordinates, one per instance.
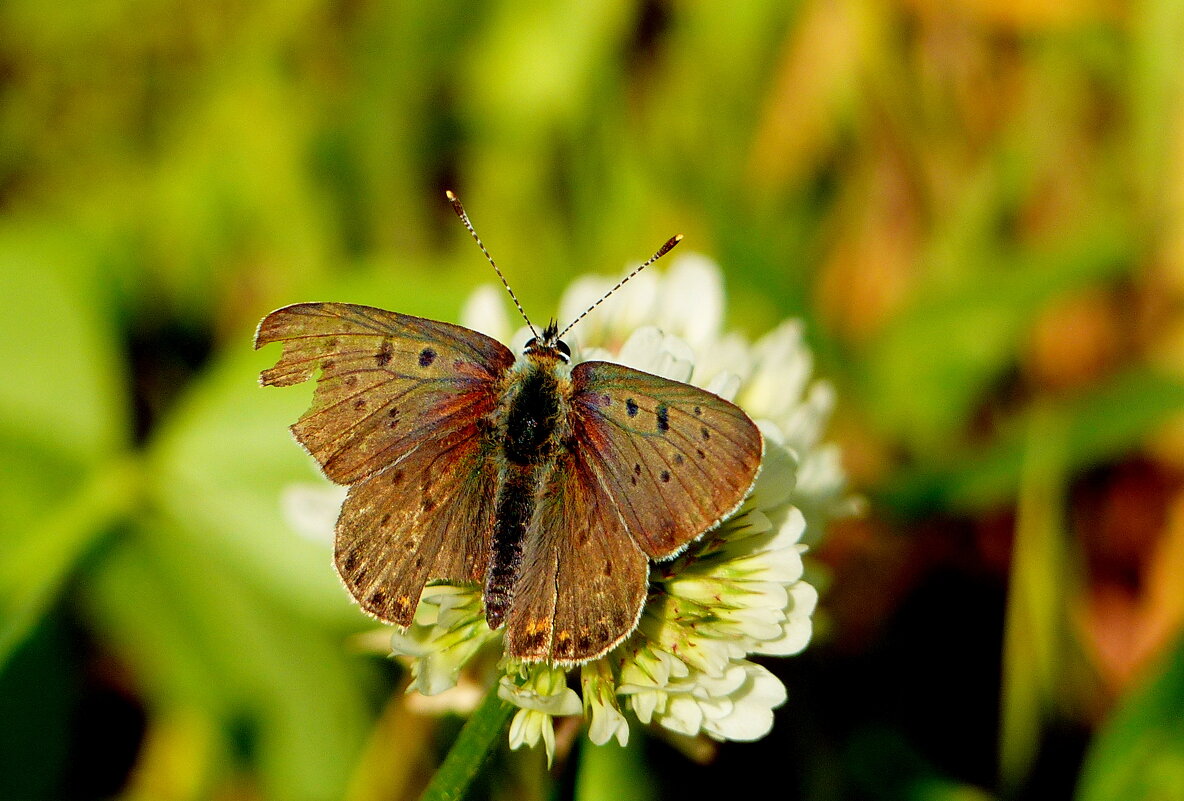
(551, 486)
(529, 433)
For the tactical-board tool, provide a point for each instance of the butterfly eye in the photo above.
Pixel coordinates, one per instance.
(530, 345)
(563, 348)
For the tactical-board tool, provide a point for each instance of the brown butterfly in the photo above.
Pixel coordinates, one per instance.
(553, 486)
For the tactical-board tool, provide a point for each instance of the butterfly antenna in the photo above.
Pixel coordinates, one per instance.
(464, 218)
(662, 251)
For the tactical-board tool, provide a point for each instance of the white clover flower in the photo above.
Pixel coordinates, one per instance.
(541, 693)
(600, 704)
(738, 591)
(449, 628)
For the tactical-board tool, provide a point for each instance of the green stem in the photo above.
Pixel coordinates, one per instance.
(474, 744)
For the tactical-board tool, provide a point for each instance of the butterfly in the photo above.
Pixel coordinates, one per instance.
(551, 485)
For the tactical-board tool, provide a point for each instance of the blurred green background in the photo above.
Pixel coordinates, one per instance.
(977, 207)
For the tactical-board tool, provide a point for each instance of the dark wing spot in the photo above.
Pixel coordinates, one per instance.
(360, 403)
(427, 504)
(665, 476)
(637, 469)
(698, 411)
(351, 562)
(699, 452)
(703, 432)
(663, 418)
(608, 567)
(633, 480)
(631, 407)
(386, 518)
(383, 357)
(426, 357)
(328, 364)
(350, 380)
(377, 597)
(678, 458)
(396, 476)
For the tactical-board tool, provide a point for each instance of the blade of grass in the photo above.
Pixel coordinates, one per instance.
(1035, 635)
(1139, 752)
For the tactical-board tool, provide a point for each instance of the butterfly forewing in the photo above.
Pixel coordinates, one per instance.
(388, 381)
(674, 459)
(584, 579)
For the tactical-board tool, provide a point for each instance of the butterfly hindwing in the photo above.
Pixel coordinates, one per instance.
(387, 382)
(673, 458)
(427, 516)
(583, 580)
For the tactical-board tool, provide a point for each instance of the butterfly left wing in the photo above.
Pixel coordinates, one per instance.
(674, 459)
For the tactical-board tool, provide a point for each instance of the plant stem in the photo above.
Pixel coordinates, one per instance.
(476, 741)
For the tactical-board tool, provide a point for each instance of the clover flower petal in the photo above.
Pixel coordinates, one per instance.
(541, 693)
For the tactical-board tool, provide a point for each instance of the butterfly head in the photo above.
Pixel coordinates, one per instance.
(548, 346)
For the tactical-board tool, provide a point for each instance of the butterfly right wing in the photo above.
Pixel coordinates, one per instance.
(637, 479)
(387, 383)
(400, 413)
(674, 459)
(583, 579)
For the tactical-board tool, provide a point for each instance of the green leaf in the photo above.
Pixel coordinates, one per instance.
(221, 465)
(1108, 421)
(286, 692)
(63, 390)
(62, 422)
(926, 371)
(1138, 755)
(34, 567)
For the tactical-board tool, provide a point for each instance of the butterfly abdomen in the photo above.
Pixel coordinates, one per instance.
(527, 445)
(515, 506)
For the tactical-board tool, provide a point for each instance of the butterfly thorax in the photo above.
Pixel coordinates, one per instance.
(536, 400)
